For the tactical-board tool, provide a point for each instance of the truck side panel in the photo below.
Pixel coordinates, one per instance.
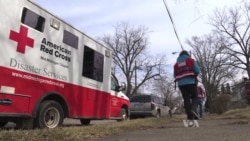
(41, 60)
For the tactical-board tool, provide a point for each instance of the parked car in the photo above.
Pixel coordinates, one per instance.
(148, 105)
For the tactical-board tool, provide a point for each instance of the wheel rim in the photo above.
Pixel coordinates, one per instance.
(52, 118)
(124, 115)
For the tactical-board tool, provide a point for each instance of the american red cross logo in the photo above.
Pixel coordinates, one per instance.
(22, 39)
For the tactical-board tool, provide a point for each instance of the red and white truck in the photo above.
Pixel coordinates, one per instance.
(49, 70)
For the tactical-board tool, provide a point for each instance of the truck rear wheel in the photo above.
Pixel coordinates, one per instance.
(50, 115)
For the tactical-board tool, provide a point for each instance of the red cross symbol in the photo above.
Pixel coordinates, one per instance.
(22, 39)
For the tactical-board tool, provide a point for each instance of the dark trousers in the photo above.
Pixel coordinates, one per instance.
(189, 95)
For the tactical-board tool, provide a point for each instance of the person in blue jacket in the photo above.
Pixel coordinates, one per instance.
(186, 70)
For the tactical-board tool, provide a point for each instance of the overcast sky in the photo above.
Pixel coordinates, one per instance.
(96, 18)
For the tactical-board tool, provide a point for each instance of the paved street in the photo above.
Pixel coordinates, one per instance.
(69, 122)
(209, 130)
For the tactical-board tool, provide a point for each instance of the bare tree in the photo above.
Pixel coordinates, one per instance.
(215, 69)
(129, 45)
(164, 87)
(234, 25)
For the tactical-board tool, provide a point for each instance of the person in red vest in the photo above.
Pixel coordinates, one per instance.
(201, 97)
(186, 70)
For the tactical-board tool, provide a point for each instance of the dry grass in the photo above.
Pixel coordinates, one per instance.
(92, 132)
(234, 114)
(82, 133)
(242, 114)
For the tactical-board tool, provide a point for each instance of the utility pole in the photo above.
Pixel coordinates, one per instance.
(172, 21)
(135, 78)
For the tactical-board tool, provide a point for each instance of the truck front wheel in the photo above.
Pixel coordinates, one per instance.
(123, 115)
(50, 115)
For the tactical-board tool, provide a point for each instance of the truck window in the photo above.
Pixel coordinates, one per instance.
(93, 64)
(114, 84)
(70, 39)
(33, 20)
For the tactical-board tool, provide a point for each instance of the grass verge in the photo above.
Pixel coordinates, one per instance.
(93, 132)
(82, 133)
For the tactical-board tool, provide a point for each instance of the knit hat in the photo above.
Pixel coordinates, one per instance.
(184, 52)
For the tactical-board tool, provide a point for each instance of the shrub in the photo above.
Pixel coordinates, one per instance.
(222, 103)
(238, 104)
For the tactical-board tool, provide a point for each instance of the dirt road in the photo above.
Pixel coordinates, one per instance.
(209, 130)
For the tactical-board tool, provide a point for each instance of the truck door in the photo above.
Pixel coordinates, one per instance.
(115, 98)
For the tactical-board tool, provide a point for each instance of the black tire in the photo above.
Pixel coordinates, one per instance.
(3, 123)
(50, 115)
(85, 121)
(123, 115)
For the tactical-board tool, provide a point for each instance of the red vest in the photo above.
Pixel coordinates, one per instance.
(200, 92)
(184, 69)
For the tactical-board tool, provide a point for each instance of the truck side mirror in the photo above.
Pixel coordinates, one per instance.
(123, 86)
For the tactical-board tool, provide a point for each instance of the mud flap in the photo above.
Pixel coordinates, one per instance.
(25, 123)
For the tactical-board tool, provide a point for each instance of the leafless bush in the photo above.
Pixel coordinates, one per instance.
(222, 103)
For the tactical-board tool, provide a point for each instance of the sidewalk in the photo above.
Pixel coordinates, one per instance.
(209, 130)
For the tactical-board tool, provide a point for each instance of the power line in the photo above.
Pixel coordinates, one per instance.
(172, 21)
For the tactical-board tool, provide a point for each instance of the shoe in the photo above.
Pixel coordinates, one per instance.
(196, 116)
(190, 123)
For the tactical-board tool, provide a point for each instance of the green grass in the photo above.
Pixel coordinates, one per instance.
(92, 132)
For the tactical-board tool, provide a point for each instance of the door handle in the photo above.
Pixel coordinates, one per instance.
(5, 102)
